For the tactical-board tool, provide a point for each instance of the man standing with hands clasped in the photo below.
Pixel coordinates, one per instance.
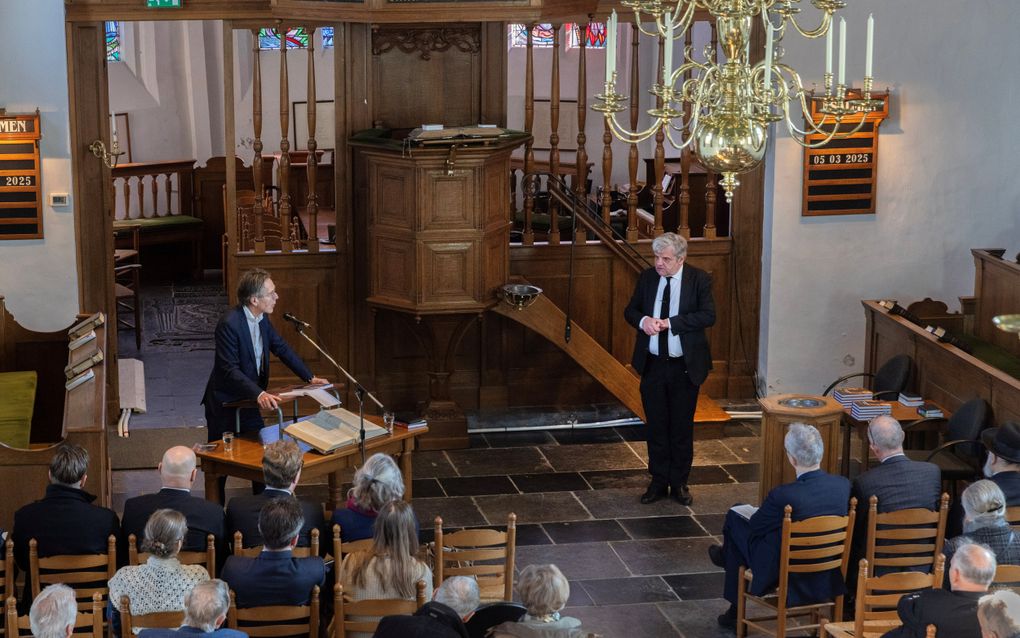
(671, 307)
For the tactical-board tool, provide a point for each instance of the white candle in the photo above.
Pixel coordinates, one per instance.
(610, 46)
(871, 42)
(842, 52)
(113, 128)
(828, 50)
(667, 64)
(768, 56)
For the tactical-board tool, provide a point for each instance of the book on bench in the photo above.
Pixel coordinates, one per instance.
(330, 430)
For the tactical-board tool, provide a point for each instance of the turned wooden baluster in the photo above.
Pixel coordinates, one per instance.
(529, 152)
(660, 152)
(581, 157)
(710, 177)
(632, 156)
(259, 242)
(554, 136)
(607, 160)
(313, 162)
(127, 198)
(685, 163)
(169, 192)
(141, 195)
(285, 243)
(155, 197)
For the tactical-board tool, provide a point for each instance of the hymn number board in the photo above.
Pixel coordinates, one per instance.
(841, 178)
(20, 188)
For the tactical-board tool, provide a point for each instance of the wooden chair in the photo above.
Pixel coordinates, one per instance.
(1007, 576)
(486, 554)
(877, 598)
(7, 569)
(126, 285)
(960, 452)
(16, 625)
(364, 615)
(887, 382)
(813, 545)
(905, 538)
(154, 620)
(87, 574)
(297, 552)
(206, 559)
(342, 549)
(277, 620)
(1013, 516)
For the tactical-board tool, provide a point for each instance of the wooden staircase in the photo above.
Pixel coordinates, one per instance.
(545, 318)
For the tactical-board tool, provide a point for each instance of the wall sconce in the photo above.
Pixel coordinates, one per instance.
(110, 157)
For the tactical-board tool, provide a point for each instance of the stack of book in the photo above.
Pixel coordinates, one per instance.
(930, 410)
(417, 424)
(867, 410)
(848, 396)
(911, 400)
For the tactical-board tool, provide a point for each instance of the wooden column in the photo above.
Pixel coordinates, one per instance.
(256, 164)
(685, 164)
(554, 136)
(660, 153)
(312, 205)
(581, 157)
(527, 183)
(710, 177)
(632, 153)
(284, 142)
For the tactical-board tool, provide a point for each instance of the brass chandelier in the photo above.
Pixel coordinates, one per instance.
(723, 110)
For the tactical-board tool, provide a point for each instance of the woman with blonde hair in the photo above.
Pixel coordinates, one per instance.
(376, 483)
(544, 591)
(162, 582)
(391, 569)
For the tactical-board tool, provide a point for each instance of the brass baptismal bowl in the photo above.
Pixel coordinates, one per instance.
(520, 296)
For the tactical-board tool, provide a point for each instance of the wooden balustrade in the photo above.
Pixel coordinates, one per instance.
(153, 189)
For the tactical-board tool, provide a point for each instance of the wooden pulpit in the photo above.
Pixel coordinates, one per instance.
(779, 411)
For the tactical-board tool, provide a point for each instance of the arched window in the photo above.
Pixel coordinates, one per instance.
(542, 35)
(112, 41)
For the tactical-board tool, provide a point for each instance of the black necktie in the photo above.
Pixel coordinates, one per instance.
(664, 314)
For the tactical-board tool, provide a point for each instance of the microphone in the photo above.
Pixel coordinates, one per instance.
(294, 320)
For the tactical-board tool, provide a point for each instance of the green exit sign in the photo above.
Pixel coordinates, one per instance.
(164, 4)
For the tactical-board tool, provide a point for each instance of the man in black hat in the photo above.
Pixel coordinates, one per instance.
(1003, 464)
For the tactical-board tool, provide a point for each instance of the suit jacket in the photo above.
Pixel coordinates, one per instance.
(191, 632)
(696, 312)
(433, 620)
(243, 516)
(899, 483)
(234, 375)
(954, 614)
(204, 517)
(64, 522)
(1009, 482)
(274, 578)
(814, 493)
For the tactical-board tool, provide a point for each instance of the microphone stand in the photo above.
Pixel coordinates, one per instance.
(359, 390)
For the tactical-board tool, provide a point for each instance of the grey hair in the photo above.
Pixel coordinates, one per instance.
(543, 589)
(983, 503)
(163, 532)
(52, 611)
(207, 601)
(670, 240)
(804, 443)
(459, 593)
(377, 482)
(999, 613)
(975, 562)
(885, 433)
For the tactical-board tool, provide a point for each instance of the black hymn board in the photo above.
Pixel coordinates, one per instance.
(841, 178)
(20, 187)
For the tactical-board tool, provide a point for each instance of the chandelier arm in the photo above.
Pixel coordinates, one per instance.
(818, 31)
(628, 136)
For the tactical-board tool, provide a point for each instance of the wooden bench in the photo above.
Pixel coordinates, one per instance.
(170, 229)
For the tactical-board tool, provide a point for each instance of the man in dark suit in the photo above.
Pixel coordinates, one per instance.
(452, 605)
(755, 542)
(275, 577)
(897, 481)
(954, 613)
(1003, 463)
(670, 309)
(64, 521)
(244, 339)
(281, 467)
(177, 474)
(205, 609)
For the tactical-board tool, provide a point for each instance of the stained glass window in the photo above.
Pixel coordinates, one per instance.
(542, 35)
(327, 37)
(595, 35)
(112, 41)
(297, 38)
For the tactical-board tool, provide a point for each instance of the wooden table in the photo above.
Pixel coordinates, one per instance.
(904, 414)
(245, 461)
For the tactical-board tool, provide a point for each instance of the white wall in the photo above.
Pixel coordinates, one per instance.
(946, 183)
(38, 277)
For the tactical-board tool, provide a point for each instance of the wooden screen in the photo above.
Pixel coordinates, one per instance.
(20, 184)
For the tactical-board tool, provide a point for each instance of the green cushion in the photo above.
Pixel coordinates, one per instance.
(18, 392)
(993, 355)
(155, 223)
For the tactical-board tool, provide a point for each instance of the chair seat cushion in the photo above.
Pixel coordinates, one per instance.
(18, 392)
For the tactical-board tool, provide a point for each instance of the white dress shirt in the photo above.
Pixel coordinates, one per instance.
(256, 336)
(675, 349)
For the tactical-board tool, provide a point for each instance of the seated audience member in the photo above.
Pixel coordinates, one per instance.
(276, 577)
(376, 483)
(984, 521)
(453, 603)
(205, 609)
(162, 582)
(954, 613)
(999, 614)
(544, 591)
(177, 475)
(755, 542)
(64, 521)
(1002, 467)
(281, 466)
(53, 612)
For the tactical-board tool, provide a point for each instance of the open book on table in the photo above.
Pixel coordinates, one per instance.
(330, 430)
(319, 392)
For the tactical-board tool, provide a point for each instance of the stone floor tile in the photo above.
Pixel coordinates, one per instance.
(581, 458)
(637, 432)
(662, 527)
(575, 560)
(713, 452)
(626, 503)
(585, 531)
(623, 621)
(666, 556)
(627, 591)
(519, 439)
(708, 475)
(431, 465)
(426, 488)
(747, 448)
(716, 499)
(603, 479)
(713, 523)
(532, 508)
(457, 511)
(477, 485)
(696, 586)
(577, 436)
(744, 472)
(549, 482)
(520, 460)
(697, 618)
